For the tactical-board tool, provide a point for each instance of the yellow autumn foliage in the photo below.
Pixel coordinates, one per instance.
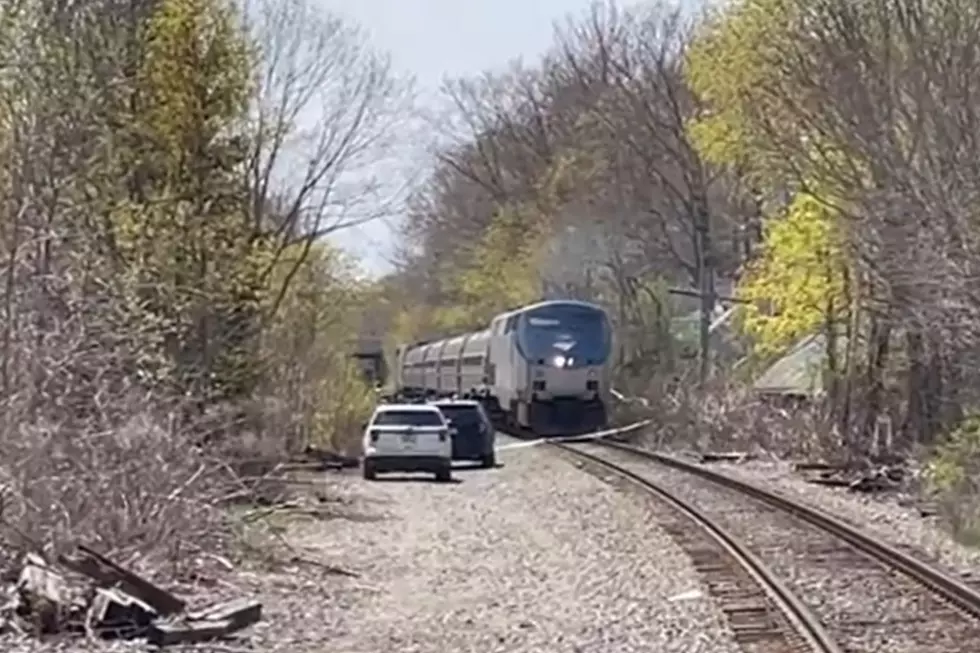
(728, 66)
(798, 278)
(196, 75)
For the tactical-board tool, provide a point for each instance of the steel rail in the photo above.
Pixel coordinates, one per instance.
(804, 623)
(949, 588)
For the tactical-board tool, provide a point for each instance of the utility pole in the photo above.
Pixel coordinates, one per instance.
(707, 287)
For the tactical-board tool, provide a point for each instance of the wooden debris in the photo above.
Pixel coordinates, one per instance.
(113, 613)
(879, 479)
(326, 459)
(730, 457)
(116, 603)
(814, 466)
(165, 634)
(43, 596)
(214, 622)
(243, 612)
(108, 574)
(832, 481)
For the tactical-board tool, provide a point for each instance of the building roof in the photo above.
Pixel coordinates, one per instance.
(800, 371)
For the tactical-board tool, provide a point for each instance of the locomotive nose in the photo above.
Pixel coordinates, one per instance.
(563, 349)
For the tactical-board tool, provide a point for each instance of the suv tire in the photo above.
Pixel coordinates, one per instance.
(368, 470)
(445, 473)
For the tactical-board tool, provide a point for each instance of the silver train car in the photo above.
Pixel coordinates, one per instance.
(543, 367)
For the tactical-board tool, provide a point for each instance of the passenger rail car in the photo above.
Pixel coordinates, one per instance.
(544, 367)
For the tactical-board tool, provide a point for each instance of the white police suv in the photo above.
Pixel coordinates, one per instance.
(407, 438)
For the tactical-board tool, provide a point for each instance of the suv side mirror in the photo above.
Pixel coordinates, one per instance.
(364, 426)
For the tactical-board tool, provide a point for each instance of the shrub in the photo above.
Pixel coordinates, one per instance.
(952, 477)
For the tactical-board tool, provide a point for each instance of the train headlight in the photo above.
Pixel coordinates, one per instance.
(559, 361)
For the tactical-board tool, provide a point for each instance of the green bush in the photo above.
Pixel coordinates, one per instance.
(952, 477)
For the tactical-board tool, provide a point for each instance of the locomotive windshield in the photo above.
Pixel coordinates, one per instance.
(574, 335)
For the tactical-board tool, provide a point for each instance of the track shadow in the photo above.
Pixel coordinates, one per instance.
(404, 478)
(474, 467)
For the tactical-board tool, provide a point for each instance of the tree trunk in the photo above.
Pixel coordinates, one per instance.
(914, 426)
(845, 408)
(877, 360)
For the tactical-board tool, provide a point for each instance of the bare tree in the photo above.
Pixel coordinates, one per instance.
(501, 132)
(629, 64)
(330, 120)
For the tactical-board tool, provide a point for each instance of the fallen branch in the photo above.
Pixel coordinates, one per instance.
(732, 457)
(330, 569)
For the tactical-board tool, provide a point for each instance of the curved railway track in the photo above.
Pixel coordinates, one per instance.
(908, 605)
(764, 615)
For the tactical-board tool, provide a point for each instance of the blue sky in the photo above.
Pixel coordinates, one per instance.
(433, 38)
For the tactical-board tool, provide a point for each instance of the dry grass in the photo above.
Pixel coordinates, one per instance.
(134, 485)
(727, 416)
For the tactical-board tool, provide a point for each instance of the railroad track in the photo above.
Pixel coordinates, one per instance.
(863, 595)
(764, 615)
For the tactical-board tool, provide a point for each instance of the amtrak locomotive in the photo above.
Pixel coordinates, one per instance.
(544, 367)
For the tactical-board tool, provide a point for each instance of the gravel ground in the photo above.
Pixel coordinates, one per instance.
(533, 556)
(887, 515)
(867, 608)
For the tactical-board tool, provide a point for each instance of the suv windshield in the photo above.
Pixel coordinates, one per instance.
(462, 416)
(408, 418)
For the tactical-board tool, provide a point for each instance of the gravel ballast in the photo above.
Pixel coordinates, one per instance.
(533, 556)
(888, 515)
(864, 606)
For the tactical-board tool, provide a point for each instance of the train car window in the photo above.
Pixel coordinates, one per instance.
(543, 322)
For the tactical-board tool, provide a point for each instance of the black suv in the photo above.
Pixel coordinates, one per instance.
(471, 430)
